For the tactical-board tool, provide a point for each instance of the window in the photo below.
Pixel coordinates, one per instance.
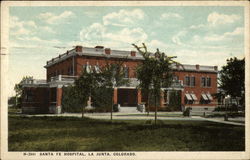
(208, 82)
(126, 72)
(192, 81)
(203, 82)
(187, 81)
(29, 96)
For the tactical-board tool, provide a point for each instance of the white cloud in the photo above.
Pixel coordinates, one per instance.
(47, 29)
(227, 35)
(19, 27)
(123, 17)
(154, 44)
(127, 35)
(217, 19)
(237, 31)
(52, 18)
(93, 32)
(177, 38)
(197, 26)
(98, 33)
(166, 16)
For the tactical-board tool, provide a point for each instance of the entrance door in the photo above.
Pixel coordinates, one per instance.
(127, 97)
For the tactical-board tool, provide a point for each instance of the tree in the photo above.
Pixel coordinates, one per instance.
(18, 89)
(113, 76)
(85, 84)
(232, 78)
(154, 73)
(90, 81)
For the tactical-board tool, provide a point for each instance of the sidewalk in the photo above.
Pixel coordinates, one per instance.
(143, 116)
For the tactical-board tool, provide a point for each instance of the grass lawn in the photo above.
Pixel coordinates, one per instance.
(76, 134)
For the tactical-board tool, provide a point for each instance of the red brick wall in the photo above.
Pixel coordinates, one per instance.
(61, 68)
(40, 98)
(82, 60)
(198, 89)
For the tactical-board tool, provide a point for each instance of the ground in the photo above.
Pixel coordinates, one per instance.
(76, 134)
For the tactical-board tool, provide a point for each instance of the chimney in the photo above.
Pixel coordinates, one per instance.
(67, 52)
(99, 47)
(216, 68)
(107, 51)
(197, 67)
(78, 48)
(133, 53)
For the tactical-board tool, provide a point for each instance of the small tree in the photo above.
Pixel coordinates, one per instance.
(155, 72)
(113, 76)
(85, 84)
(19, 90)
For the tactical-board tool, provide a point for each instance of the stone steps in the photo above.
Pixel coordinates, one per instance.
(128, 110)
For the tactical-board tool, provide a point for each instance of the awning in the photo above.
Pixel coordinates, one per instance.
(204, 96)
(209, 96)
(193, 96)
(188, 97)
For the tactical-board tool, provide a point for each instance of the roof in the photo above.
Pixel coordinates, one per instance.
(100, 52)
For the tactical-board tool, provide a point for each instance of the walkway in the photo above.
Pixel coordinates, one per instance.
(143, 116)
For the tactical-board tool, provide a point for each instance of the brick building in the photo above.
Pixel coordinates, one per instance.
(196, 83)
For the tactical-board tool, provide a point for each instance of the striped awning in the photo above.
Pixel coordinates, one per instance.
(188, 97)
(209, 96)
(204, 96)
(193, 96)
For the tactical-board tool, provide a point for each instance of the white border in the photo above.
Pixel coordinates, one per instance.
(140, 155)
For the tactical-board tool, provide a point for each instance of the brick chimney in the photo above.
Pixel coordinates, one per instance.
(107, 51)
(78, 48)
(133, 53)
(99, 47)
(197, 67)
(216, 68)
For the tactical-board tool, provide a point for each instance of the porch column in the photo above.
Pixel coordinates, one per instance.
(115, 98)
(162, 98)
(139, 96)
(58, 99)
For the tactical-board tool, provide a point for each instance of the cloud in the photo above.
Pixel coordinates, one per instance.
(123, 17)
(236, 32)
(166, 16)
(19, 27)
(98, 33)
(226, 36)
(215, 18)
(127, 35)
(47, 29)
(177, 38)
(154, 44)
(52, 18)
(197, 26)
(93, 32)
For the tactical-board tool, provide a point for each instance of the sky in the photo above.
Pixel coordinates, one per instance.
(195, 34)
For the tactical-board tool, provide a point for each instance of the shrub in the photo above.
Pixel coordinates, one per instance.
(70, 101)
(186, 113)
